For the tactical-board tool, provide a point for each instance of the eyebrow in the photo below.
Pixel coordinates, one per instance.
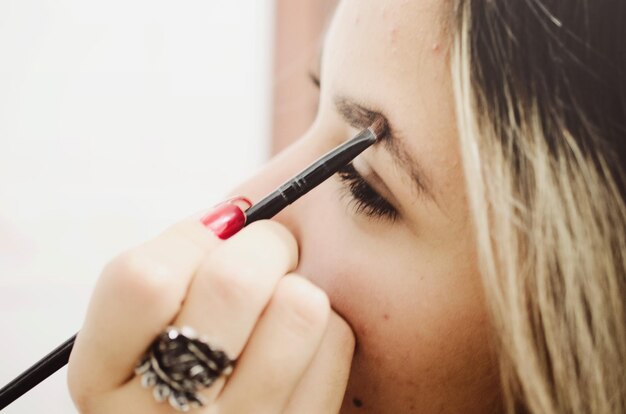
(359, 116)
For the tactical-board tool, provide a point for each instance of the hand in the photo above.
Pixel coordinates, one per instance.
(293, 352)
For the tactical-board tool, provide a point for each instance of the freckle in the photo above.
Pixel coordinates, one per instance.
(393, 34)
(357, 403)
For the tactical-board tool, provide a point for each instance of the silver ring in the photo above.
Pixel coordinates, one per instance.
(178, 364)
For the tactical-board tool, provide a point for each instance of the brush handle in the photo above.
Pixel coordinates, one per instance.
(309, 178)
(41, 370)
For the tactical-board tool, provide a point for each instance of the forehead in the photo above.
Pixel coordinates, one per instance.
(391, 40)
(390, 55)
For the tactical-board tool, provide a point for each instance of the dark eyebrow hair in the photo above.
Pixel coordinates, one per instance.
(359, 116)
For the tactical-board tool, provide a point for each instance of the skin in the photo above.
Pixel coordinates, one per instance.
(408, 330)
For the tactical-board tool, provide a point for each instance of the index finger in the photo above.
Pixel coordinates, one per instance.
(138, 293)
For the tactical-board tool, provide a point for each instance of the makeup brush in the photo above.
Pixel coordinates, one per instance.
(316, 173)
(266, 208)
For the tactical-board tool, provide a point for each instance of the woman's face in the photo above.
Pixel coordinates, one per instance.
(409, 287)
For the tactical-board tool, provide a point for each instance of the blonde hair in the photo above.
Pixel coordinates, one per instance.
(540, 105)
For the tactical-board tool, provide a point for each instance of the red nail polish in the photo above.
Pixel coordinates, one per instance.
(225, 219)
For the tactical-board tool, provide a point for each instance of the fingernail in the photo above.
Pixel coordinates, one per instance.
(225, 219)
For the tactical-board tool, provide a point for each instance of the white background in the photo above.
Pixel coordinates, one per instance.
(117, 118)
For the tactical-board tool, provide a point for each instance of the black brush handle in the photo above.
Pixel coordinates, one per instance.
(310, 177)
(41, 370)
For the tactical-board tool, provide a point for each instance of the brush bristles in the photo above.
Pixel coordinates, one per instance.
(379, 127)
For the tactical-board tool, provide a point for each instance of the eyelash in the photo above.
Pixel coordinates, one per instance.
(364, 198)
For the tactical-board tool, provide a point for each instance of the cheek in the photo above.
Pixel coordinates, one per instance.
(418, 314)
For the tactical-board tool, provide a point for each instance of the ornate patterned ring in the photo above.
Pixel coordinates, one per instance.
(178, 364)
